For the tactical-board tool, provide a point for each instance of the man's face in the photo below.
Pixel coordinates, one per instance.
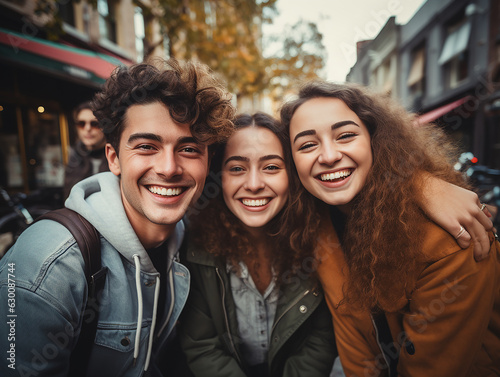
(162, 169)
(88, 130)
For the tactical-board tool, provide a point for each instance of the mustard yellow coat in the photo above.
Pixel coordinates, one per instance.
(452, 315)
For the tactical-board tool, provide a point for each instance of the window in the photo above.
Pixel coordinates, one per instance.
(455, 56)
(67, 12)
(107, 19)
(43, 148)
(417, 71)
(416, 76)
(457, 70)
(383, 76)
(388, 77)
(11, 172)
(140, 33)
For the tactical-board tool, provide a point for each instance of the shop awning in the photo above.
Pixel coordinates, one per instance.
(440, 111)
(58, 59)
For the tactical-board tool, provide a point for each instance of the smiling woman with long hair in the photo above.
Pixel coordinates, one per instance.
(404, 296)
(254, 308)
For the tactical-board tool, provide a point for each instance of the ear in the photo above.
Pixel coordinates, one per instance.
(113, 160)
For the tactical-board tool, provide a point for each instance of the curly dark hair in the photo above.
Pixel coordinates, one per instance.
(190, 90)
(384, 230)
(216, 229)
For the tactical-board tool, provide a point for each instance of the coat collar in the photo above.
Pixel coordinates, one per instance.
(197, 255)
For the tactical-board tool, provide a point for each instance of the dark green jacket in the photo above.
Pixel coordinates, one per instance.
(302, 340)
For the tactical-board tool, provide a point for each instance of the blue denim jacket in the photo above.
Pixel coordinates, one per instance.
(50, 292)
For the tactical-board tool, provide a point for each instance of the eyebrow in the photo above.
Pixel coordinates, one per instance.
(236, 158)
(155, 137)
(144, 135)
(246, 159)
(271, 157)
(343, 123)
(334, 127)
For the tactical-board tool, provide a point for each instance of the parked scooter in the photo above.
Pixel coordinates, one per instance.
(485, 180)
(18, 211)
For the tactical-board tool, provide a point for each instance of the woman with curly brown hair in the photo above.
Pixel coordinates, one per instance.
(249, 312)
(404, 297)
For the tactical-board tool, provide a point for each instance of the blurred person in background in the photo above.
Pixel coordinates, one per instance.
(87, 157)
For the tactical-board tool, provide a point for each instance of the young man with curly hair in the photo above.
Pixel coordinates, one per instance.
(159, 122)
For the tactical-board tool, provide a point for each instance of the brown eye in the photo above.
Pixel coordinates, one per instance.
(347, 135)
(272, 167)
(306, 146)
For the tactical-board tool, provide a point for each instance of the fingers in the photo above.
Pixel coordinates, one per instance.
(490, 210)
(480, 251)
(478, 230)
(463, 238)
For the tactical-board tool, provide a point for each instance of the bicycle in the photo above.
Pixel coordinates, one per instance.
(19, 211)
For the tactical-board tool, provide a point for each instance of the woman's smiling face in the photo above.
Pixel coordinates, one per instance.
(254, 177)
(331, 150)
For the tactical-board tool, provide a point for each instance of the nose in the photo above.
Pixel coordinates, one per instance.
(168, 165)
(254, 181)
(329, 154)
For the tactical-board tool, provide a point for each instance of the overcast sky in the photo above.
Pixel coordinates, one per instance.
(343, 23)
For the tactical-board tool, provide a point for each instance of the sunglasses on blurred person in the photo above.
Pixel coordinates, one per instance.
(82, 123)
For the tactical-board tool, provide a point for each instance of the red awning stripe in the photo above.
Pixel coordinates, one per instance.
(440, 111)
(101, 65)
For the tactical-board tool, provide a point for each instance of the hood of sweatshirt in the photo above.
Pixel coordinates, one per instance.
(98, 199)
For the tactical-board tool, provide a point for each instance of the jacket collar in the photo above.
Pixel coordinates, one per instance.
(197, 255)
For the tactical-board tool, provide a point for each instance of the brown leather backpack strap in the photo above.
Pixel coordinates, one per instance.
(85, 234)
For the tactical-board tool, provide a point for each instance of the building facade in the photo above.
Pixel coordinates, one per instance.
(377, 60)
(447, 71)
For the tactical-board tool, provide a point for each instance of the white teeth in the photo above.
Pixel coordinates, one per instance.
(164, 191)
(255, 203)
(336, 175)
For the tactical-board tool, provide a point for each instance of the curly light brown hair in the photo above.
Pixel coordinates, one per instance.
(190, 90)
(216, 229)
(383, 233)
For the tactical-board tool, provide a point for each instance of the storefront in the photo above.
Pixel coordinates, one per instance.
(40, 83)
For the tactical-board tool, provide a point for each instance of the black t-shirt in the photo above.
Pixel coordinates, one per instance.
(172, 361)
(339, 220)
(158, 256)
